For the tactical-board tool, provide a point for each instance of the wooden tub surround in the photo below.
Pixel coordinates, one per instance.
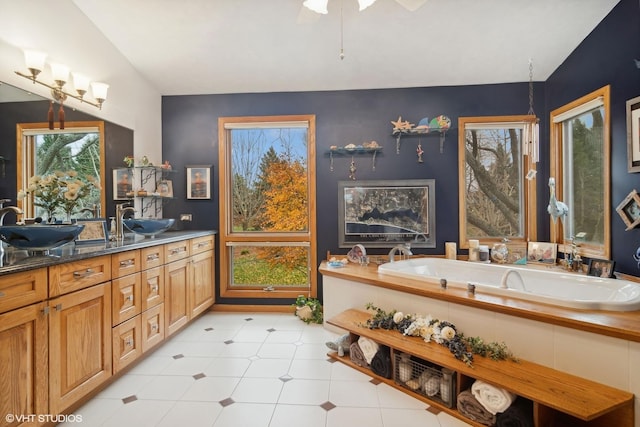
(578, 367)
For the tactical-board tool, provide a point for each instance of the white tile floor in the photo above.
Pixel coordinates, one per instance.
(257, 369)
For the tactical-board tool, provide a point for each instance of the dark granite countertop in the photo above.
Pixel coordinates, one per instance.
(13, 260)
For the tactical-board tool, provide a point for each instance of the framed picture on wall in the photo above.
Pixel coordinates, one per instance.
(122, 184)
(633, 134)
(382, 214)
(199, 182)
(629, 210)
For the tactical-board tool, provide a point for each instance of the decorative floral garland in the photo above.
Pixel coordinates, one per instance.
(440, 331)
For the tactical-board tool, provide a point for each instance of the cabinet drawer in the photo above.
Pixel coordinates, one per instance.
(152, 287)
(152, 257)
(201, 244)
(127, 343)
(152, 327)
(125, 263)
(72, 276)
(176, 250)
(125, 298)
(23, 288)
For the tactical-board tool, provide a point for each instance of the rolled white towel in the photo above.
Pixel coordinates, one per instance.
(493, 399)
(369, 348)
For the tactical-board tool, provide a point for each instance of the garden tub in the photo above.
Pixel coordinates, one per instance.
(551, 287)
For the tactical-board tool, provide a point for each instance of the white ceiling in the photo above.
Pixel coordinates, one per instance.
(240, 46)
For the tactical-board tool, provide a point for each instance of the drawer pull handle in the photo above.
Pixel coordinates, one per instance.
(57, 307)
(177, 251)
(154, 327)
(154, 288)
(81, 274)
(129, 343)
(127, 263)
(153, 257)
(203, 244)
(129, 298)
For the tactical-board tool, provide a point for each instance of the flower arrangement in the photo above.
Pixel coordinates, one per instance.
(60, 190)
(439, 331)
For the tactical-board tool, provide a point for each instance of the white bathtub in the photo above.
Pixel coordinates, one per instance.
(550, 287)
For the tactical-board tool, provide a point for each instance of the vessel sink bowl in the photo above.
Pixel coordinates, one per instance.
(148, 226)
(39, 237)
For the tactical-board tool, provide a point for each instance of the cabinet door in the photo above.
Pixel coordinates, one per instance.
(152, 287)
(176, 277)
(79, 345)
(152, 327)
(23, 362)
(127, 343)
(201, 285)
(126, 298)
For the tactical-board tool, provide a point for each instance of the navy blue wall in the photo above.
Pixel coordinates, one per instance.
(606, 57)
(343, 117)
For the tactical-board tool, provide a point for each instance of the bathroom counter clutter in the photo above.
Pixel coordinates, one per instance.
(13, 260)
(559, 399)
(617, 324)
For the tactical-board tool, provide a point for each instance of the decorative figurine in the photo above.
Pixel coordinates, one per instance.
(556, 208)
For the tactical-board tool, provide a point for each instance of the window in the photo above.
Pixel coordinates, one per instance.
(496, 199)
(580, 159)
(267, 206)
(41, 151)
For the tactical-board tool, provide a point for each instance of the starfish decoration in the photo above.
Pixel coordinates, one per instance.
(401, 126)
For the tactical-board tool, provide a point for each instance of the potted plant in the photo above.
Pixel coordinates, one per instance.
(308, 309)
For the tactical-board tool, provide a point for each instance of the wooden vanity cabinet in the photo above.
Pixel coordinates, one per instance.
(201, 289)
(176, 279)
(24, 360)
(79, 344)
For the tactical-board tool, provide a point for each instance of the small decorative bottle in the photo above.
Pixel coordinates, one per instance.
(405, 370)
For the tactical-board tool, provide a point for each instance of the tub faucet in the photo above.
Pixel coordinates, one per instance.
(121, 211)
(6, 210)
(505, 277)
(403, 250)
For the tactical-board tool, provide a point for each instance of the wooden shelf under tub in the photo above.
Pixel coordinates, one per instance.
(559, 399)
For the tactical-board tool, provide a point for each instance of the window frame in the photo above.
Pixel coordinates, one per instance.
(529, 185)
(557, 170)
(228, 238)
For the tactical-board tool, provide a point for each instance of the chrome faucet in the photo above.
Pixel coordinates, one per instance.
(505, 277)
(403, 250)
(92, 210)
(6, 210)
(121, 211)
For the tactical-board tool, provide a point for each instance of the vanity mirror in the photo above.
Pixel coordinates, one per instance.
(22, 113)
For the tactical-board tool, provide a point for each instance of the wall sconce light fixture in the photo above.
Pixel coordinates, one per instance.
(35, 62)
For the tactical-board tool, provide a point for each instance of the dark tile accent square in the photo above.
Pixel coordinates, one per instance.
(331, 360)
(178, 356)
(271, 330)
(285, 378)
(327, 406)
(228, 342)
(208, 329)
(249, 319)
(375, 381)
(129, 399)
(199, 376)
(226, 402)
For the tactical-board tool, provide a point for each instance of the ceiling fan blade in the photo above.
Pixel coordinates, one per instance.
(412, 5)
(306, 16)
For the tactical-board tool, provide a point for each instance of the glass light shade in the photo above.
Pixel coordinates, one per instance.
(80, 82)
(318, 6)
(60, 72)
(365, 4)
(99, 90)
(34, 59)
